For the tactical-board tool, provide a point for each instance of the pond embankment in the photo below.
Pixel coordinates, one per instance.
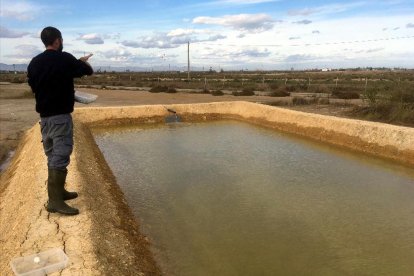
(105, 237)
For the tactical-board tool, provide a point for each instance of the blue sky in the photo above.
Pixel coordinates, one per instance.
(229, 34)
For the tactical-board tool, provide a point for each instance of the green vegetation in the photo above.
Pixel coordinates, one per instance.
(392, 103)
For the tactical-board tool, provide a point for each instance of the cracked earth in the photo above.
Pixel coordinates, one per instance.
(102, 240)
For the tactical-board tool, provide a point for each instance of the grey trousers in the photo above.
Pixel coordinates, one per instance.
(57, 139)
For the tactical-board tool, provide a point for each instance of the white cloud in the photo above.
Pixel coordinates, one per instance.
(160, 40)
(183, 32)
(299, 58)
(230, 3)
(130, 43)
(20, 10)
(326, 9)
(116, 54)
(91, 38)
(316, 32)
(112, 36)
(374, 50)
(172, 39)
(410, 25)
(233, 54)
(7, 33)
(246, 22)
(215, 37)
(304, 22)
(302, 12)
(368, 51)
(24, 52)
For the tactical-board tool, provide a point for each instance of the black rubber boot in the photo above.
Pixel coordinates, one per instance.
(55, 187)
(68, 195)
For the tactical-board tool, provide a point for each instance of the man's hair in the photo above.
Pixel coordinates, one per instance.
(49, 35)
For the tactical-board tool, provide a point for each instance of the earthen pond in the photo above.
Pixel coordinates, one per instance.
(229, 198)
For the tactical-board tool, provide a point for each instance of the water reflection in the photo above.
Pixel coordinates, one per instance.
(227, 198)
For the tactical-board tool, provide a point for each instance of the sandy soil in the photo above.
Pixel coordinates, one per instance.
(16, 116)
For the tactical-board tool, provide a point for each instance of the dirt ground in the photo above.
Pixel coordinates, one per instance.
(103, 239)
(17, 108)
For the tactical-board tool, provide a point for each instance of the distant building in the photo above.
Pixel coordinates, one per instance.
(326, 69)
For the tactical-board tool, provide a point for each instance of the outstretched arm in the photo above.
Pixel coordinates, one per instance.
(85, 58)
(82, 67)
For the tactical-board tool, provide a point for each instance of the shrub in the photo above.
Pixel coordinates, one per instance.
(290, 88)
(17, 80)
(403, 94)
(244, 92)
(323, 100)
(171, 90)
(303, 101)
(371, 94)
(273, 86)
(387, 111)
(319, 89)
(278, 103)
(299, 101)
(217, 93)
(28, 94)
(158, 88)
(343, 92)
(279, 93)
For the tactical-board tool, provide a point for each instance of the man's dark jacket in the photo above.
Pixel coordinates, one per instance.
(51, 76)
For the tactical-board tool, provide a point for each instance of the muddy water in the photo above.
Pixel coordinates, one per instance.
(228, 198)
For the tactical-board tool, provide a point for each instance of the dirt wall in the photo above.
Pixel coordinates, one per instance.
(105, 239)
(389, 141)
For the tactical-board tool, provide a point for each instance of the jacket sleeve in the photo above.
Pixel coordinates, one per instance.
(29, 76)
(78, 67)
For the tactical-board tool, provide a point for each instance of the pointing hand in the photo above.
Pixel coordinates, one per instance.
(85, 58)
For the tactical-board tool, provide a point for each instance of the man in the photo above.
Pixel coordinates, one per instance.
(51, 75)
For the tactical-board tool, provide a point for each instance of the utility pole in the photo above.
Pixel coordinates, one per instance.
(188, 59)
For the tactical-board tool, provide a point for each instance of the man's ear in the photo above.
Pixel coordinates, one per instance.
(56, 43)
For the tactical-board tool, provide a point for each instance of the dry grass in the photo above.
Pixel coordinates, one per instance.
(387, 93)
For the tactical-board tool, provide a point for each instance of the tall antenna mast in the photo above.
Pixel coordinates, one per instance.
(188, 59)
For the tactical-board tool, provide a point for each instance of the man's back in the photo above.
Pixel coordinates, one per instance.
(51, 76)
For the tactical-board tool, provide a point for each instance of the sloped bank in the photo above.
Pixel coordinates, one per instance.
(105, 237)
(383, 140)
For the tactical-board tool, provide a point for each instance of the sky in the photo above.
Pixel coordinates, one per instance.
(223, 34)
